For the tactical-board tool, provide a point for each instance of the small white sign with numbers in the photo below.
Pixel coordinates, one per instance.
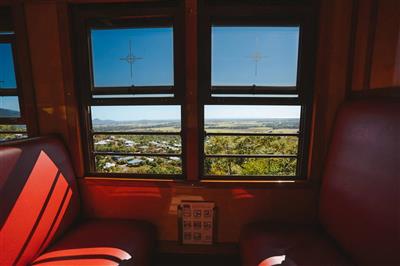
(197, 222)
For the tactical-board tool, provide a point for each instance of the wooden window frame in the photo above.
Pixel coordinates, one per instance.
(141, 14)
(14, 24)
(9, 38)
(194, 92)
(254, 13)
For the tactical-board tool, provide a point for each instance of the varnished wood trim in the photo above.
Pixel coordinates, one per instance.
(389, 92)
(371, 44)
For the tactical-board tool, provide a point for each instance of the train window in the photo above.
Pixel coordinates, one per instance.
(251, 140)
(254, 56)
(11, 132)
(137, 139)
(10, 110)
(131, 91)
(252, 92)
(145, 57)
(8, 80)
(255, 88)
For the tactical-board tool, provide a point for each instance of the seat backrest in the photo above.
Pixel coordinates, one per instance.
(38, 197)
(360, 197)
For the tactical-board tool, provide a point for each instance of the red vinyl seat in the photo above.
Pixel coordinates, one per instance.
(40, 215)
(359, 208)
(302, 245)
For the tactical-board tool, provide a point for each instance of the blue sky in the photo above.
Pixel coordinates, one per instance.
(9, 102)
(132, 113)
(234, 50)
(233, 53)
(7, 77)
(250, 111)
(153, 45)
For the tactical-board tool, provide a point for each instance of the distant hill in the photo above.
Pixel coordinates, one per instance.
(102, 122)
(8, 113)
(97, 121)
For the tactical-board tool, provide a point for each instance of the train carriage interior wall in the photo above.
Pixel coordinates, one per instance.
(200, 132)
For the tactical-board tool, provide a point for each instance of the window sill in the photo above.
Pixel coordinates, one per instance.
(199, 184)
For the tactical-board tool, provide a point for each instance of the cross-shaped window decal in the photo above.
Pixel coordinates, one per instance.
(131, 59)
(257, 56)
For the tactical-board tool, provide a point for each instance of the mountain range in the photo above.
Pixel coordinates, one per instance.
(8, 113)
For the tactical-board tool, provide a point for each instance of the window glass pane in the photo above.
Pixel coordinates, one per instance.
(274, 145)
(139, 164)
(250, 166)
(10, 132)
(249, 140)
(139, 143)
(134, 96)
(132, 57)
(12, 136)
(262, 56)
(9, 107)
(137, 153)
(251, 119)
(257, 95)
(7, 73)
(154, 118)
(12, 128)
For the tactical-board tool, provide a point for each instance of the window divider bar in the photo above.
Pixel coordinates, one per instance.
(252, 100)
(249, 156)
(7, 38)
(8, 92)
(254, 89)
(137, 154)
(133, 90)
(249, 177)
(11, 121)
(135, 176)
(13, 132)
(133, 101)
(253, 134)
(135, 133)
(142, 21)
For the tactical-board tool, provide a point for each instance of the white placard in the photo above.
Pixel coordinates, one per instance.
(197, 218)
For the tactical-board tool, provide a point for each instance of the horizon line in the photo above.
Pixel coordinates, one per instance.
(99, 119)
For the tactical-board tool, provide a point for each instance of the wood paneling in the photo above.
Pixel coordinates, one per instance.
(397, 66)
(47, 72)
(377, 45)
(24, 71)
(331, 75)
(70, 93)
(385, 63)
(158, 204)
(191, 95)
(365, 23)
(6, 19)
(47, 27)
